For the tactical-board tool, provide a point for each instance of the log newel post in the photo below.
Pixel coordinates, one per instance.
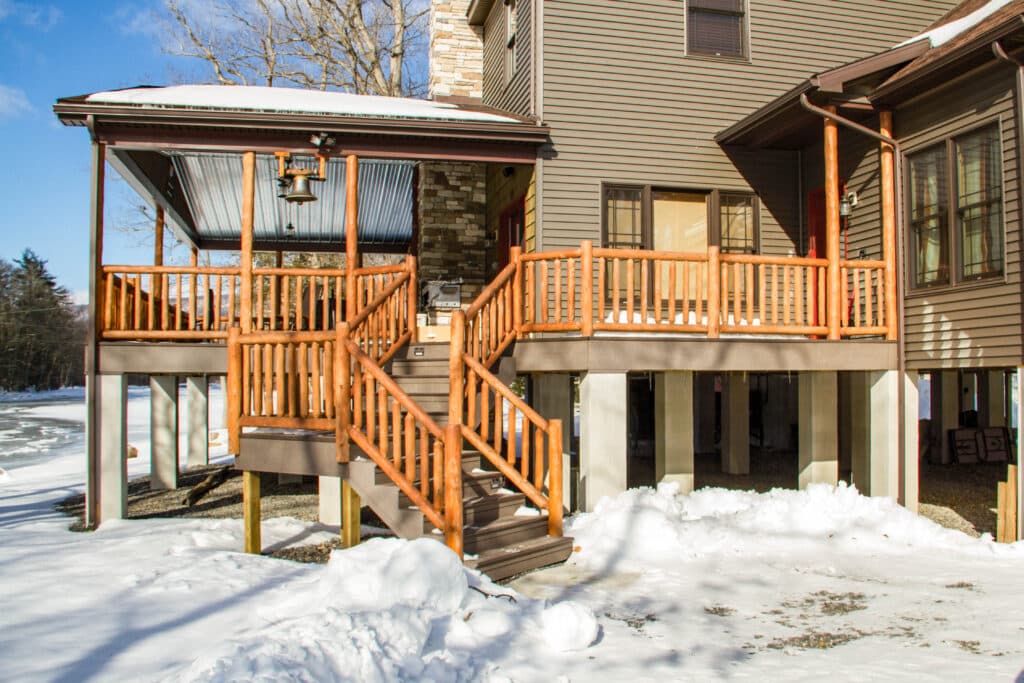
(351, 234)
(234, 390)
(888, 183)
(453, 488)
(413, 300)
(456, 368)
(516, 256)
(342, 393)
(587, 288)
(833, 285)
(248, 218)
(555, 504)
(714, 291)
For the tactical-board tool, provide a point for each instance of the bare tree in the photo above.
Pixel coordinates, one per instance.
(360, 46)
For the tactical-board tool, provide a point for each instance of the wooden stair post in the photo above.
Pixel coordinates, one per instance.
(251, 511)
(554, 477)
(453, 493)
(234, 389)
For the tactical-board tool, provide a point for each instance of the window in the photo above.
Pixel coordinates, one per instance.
(510, 39)
(716, 28)
(956, 201)
(738, 225)
(643, 217)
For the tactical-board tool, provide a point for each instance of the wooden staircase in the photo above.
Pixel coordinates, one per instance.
(427, 436)
(496, 540)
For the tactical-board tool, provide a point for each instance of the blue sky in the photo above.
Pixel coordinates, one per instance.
(57, 49)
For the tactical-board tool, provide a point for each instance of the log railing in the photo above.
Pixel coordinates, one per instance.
(284, 378)
(420, 457)
(297, 298)
(590, 290)
(168, 302)
(772, 295)
(643, 291)
(388, 321)
(863, 293)
(493, 319)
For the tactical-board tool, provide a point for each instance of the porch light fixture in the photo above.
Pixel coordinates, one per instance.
(846, 204)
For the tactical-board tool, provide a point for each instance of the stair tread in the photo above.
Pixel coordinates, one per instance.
(506, 523)
(512, 560)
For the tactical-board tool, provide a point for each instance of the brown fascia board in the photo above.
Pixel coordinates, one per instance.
(834, 80)
(74, 113)
(477, 11)
(896, 90)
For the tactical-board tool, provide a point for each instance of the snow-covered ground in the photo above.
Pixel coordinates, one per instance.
(720, 584)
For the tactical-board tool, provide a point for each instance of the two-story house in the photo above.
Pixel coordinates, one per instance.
(670, 207)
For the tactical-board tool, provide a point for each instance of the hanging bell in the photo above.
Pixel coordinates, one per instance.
(299, 193)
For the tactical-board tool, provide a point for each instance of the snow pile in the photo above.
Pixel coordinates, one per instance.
(392, 610)
(644, 526)
(947, 32)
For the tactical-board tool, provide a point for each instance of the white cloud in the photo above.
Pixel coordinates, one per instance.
(13, 102)
(30, 14)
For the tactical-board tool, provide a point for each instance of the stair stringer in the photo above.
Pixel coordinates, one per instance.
(383, 499)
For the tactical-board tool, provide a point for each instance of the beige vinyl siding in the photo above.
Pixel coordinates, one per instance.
(626, 105)
(514, 95)
(974, 324)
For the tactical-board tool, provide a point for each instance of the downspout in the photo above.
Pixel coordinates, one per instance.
(1001, 54)
(901, 359)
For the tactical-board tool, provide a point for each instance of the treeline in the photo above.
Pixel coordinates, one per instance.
(42, 336)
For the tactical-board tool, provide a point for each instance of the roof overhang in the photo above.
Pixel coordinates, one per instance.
(180, 158)
(784, 124)
(951, 63)
(477, 11)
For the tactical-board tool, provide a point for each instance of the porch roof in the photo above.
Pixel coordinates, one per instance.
(179, 147)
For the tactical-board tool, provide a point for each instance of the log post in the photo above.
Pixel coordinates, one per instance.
(234, 397)
(342, 393)
(413, 302)
(248, 220)
(158, 254)
(251, 511)
(351, 530)
(555, 504)
(516, 258)
(833, 314)
(453, 488)
(888, 183)
(714, 291)
(456, 368)
(587, 288)
(351, 234)
(97, 303)
(193, 287)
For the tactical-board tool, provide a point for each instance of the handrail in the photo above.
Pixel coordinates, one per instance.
(379, 300)
(188, 270)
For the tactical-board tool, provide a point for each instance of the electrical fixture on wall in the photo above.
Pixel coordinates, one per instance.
(846, 204)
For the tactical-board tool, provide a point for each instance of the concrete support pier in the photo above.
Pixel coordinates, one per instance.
(673, 421)
(163, 432)
(819, 428)
(884, 445)
(603, 431)
(197, 397)
(909, 480)
(113, 443)
(329, 489)
(735, 424)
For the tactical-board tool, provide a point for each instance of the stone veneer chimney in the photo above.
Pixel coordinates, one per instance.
(456, 51)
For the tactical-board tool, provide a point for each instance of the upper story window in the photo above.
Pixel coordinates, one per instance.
(956, 210)
(510, 39)
(716, 28)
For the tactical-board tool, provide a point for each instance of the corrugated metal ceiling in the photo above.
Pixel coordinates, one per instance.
(213, 189)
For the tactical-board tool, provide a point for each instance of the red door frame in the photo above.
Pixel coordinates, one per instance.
(511, 226)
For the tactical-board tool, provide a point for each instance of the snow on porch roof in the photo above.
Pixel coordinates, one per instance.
(292, 100)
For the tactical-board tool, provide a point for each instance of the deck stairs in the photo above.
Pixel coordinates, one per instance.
(502, 537)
